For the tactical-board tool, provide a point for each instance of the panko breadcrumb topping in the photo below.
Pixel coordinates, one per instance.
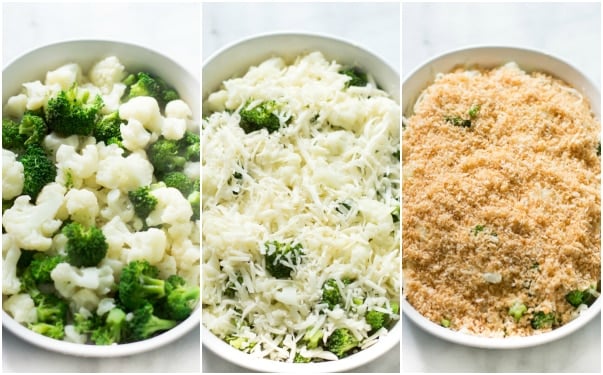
(501, 202)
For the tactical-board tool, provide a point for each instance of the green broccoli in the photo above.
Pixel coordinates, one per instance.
(179, 181)
(107, 129)
(144, 324)
(194, 199)
(52, 330)
(166, 156)
(70, 113)
(142, 200)
(445, 323)
(301, 359)
(341, 341)
(331, 294)
(50, 308)
(139, 284)
(540, 320)
(582, 297)
(181, 298)
(12, 139)
(357, 77)
(281, 258)
(86, 246)
(38, 170)
(112, 330)
(241, 343)
(458, 121)
(146, 84)
(230, 289)
(86, 324)
(376, 319)
(517, 310)
(190, 146)
(474, 110)
(259, 117)
(312, 340)
(396, 214)
(41, 265)
(33, 128)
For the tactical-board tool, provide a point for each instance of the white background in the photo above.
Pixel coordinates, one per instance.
(569, 31)
(373, 26)
(172, 29)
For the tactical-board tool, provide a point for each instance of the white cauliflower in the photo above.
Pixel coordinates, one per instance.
(112, 99)
(192, 170)
(53, 141)
(117, 204)
(16, 106)
(74, 168)
(82, 206)
(32, 226)
(134, 135)
(173, 128)
(117, 172)
(171, 207)
(65, 76)
(68, 280)
(12, 175)
(167, 267)
(187, 257)
(10, 257)
(106, 73)
(84, 298)
(21, 307)
(117, 234)
(72, 335)
(145, 109)
(38, 94)
(104, 306)
(178, 109)
(149, 245)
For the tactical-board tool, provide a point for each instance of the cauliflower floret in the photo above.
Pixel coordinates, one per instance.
(144, 109)
(192, 170)
(38, 94)
(72, 335)
(116, 233)
(12, 175)
(68, 280)
(187, 257)
(32, 226)
(104, 306)
(82, 206)
(21, 307)
(84, 298)
(65, 76)
(15, 106)
(117, 172)
(173, 128)
(178, 231)
(112, 100)
(167, 267)
(107, 72)
(53, 141)
(171, 207)
(149, 245)
(118, 204)
(134, 135)
(10, 257)
(178, 109)
(59, 244)
(73, 167)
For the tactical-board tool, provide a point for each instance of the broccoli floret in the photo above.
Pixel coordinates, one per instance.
(181, 298)
(312, 340)
(281, 258)
(70, 113)
(582, 297)
(341, 342)
(179, 181)
(12, 139)
(86, 324)
(166, 156)
(376, 319)
(52, 330)
(230, 289)
(33, 128)
(190, 146)
(113, 330)
(41, 266)
(139, 284)
(194, 199)
(144, 324)
(301, 359)
(145, 84)
(331, 294)
(107, 129)
(86, 246)
(240, 343)
(517, 310)
(458, 121)
(445, 323)
(259, 117)
(50, 308)
(396, 214)
(38, 170)
(357, 77)
(142, 200)
(540, 320)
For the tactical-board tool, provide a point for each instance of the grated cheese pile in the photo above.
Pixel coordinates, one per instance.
(327, 179)
(502, 212)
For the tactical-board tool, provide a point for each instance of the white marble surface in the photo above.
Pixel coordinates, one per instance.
(373, 26)
(570, 31)
(170, 28)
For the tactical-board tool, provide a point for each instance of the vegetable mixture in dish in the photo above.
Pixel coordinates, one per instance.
(301, 241)
(100, 205)
(501, 188)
